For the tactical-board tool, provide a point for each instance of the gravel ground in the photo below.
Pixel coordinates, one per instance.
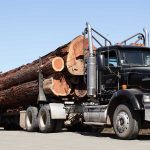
(21, 140)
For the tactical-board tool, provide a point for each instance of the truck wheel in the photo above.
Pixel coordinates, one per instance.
(126, 122)
(58, 125)
(46, 124)
(31, 123)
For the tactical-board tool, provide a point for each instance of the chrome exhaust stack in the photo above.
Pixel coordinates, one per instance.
(91, 66)
(146, 34)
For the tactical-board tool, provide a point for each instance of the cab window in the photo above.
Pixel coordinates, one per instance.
(111, 58)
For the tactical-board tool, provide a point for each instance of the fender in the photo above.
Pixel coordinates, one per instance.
(57, 111)
(128, 94)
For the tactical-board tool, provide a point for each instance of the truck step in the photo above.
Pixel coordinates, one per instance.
(94, 123)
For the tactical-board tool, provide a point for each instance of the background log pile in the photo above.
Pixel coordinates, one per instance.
(63, 71)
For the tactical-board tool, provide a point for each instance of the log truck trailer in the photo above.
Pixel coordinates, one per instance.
(118, 91)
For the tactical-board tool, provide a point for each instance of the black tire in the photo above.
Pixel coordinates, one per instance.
(58, 125)
(126, 122)
(46, 124)
(76, 128)
(31, 123)
(11, 123)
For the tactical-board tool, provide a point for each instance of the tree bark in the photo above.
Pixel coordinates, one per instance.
(24, 94)
(57, 85)
(30, 72)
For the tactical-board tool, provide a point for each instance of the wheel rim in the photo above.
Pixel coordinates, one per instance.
(122, 122)
(29, 119)
(43, 119)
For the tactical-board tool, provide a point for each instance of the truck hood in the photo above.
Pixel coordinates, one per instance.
(139, 76)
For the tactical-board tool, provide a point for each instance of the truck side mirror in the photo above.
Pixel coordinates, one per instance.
(101, 62)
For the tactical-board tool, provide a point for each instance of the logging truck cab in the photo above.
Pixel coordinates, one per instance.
(120, 85)
(118, 91)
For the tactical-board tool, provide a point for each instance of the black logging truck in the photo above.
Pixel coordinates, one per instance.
(118, 89)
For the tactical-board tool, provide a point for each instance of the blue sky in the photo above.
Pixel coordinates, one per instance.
(32, 28)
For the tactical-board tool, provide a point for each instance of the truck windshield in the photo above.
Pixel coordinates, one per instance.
(135, 57)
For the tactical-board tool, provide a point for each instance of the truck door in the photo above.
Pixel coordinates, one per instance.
(110, 79)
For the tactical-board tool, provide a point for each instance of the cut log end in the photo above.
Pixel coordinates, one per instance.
(76, 53)
(57, 85)
(80, 92)
(58, 64)
(75, 56)
(81, 89)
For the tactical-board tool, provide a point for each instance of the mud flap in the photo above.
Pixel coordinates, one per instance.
(22, 119)
(147, 114)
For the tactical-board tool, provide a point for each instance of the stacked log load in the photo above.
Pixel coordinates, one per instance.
(63, 71)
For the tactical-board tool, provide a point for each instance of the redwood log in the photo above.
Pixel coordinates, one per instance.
(77, 50)
(57, 64)
(72, 54)
(30, 73)
(24, 94)
(27, 93)
(54, 65)
(75, 57)
(80, 92)
(62, 68)
(70, 48)
(57, 84)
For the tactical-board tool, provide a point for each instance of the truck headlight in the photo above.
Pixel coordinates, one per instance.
(146, 98)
